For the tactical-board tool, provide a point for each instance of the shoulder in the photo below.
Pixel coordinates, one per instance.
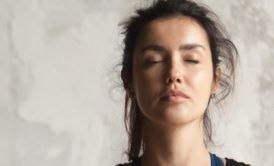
(232, 162)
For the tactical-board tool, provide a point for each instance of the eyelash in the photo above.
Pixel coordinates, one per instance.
(156, 61)
(192, 61)
(151, 62)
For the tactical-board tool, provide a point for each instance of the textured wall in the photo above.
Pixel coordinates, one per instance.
(59, 103)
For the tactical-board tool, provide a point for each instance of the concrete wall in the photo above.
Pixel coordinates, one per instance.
(59, 100)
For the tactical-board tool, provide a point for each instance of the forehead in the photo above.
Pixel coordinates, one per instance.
(173, 31)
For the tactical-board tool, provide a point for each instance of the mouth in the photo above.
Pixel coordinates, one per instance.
(174, 96)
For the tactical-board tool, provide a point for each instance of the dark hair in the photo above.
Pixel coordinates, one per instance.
(224, 54)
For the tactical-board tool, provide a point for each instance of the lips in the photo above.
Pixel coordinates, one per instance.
(174, 96)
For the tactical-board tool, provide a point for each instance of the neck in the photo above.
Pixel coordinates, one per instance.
(180, 145)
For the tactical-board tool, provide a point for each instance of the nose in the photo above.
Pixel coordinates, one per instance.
(174, 73)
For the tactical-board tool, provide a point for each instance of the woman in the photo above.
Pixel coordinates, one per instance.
(177, 59)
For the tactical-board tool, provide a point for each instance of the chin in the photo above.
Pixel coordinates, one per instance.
(173, 116)
(178, 120)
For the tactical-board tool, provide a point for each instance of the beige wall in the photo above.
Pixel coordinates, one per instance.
(59, 100)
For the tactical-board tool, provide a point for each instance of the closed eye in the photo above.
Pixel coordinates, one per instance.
(151, 62)
(192, 61)
(155, 61)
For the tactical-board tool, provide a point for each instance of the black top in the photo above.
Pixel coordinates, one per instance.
(229, 162)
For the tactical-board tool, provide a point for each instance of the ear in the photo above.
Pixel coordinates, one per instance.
(216, 80)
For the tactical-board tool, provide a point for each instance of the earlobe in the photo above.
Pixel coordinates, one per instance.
(216, 80)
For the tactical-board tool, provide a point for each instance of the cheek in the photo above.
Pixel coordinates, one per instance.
(146, 83)
(201, 79)
(200, 84)
(147, 86)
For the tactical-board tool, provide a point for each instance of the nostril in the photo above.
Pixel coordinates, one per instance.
(168, 80)
(172, 80)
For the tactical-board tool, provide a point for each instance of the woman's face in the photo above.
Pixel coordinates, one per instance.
(172, 71)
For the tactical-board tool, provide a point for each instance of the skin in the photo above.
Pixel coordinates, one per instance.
(173, 54)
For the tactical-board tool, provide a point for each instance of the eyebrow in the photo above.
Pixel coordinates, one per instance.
(191, 47)
(153, 47)
(159, 48)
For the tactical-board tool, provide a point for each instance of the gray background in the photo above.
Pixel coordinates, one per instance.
(60, 103)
